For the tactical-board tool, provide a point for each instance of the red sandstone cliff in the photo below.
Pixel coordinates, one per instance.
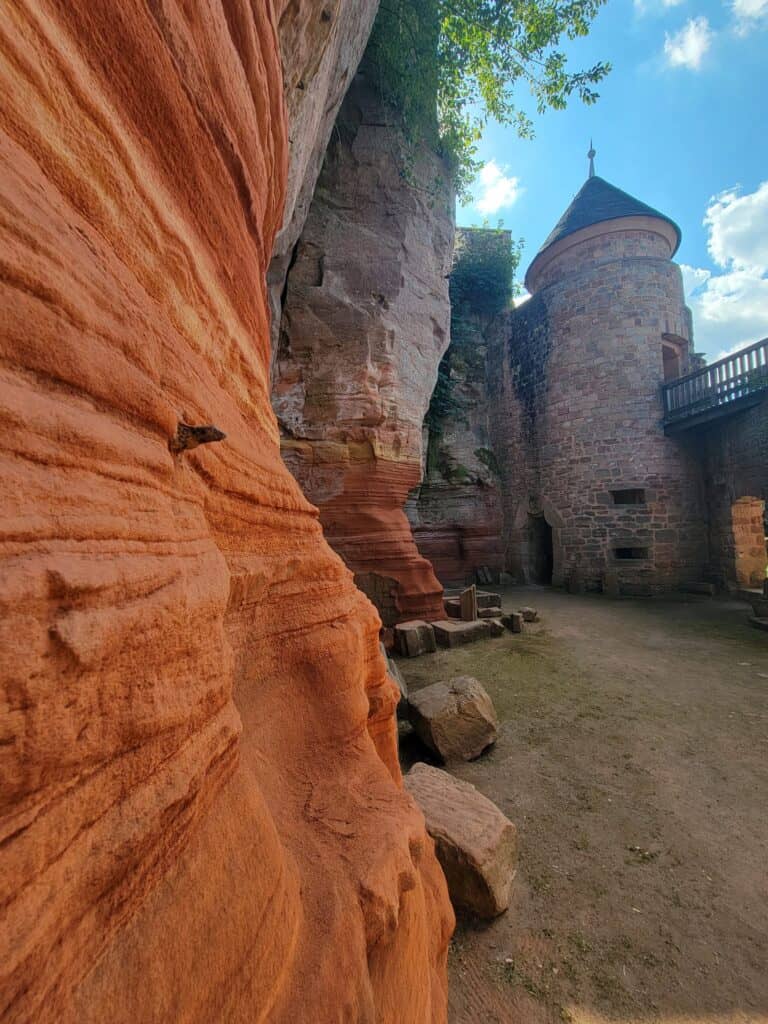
(365, 322)
(202, 817)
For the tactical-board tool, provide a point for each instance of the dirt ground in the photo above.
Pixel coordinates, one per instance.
(633, 759)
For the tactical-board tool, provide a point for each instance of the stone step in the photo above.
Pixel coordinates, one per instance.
(453, 633)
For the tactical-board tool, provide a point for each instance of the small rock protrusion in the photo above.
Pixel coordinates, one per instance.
(529, 614)
(187, 437)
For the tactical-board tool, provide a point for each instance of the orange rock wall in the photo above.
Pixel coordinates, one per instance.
(201, 812)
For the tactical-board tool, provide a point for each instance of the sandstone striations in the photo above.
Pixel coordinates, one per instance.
(202, 813)
(365, 322)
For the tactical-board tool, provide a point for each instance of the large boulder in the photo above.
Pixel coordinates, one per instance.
(455, 718)
(475, 843)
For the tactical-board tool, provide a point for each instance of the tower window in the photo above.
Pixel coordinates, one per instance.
(630, 496)
(630, 554)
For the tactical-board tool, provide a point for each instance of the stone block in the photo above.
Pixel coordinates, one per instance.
(452, 607)
(468, 604)
(529, 614)
(452, 633)
(513, 622)
(475, 843)
(485, 599)
(497, 627)
(456, 718)
(489, 613)
(414, 638)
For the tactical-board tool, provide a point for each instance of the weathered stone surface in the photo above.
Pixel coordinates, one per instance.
(513, 622)
(529, 614)
(201, 808)
(487, 599)
(497, 627)
(476, 844)
(456, 718)
(468, 604)
(360, 341)
(321, 46)
(453, 633)
(414, 638)
(456, 512)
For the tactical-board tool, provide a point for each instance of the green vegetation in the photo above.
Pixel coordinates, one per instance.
(449, 65)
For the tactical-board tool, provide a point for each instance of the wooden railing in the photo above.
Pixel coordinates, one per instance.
(719, 386)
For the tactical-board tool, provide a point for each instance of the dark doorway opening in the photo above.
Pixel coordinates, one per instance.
(540, 550)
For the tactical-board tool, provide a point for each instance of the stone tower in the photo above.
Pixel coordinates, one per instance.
(595, 495)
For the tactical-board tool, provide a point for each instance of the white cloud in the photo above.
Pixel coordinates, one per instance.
(748, 14)
(730, 309)
(496, 189)
(686, 48)
(734, 236)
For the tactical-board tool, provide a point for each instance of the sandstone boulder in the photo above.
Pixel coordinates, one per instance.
(475, 843)
(529, 614)
(414, 638)
(496, 627)
(455, 718)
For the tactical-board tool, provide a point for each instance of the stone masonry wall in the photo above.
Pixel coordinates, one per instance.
(578, 415)
(735, 459)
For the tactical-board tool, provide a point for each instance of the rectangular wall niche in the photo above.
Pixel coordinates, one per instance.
(630, 554)
(630, 496)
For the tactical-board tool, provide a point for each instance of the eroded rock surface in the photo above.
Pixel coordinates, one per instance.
(365, 322)
(178, 843)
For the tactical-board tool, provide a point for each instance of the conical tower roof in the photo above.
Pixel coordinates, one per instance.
(596, 201)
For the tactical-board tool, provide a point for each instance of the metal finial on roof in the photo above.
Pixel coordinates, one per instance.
(591, 155)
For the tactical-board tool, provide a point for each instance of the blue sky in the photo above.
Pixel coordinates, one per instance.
(681, 123)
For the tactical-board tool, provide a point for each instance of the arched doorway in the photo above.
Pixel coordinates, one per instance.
(540, 550)
(750, 557)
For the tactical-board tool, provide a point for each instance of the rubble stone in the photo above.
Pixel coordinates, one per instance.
(414, 638)
(475, 843)
(451, 633)
(455, 718)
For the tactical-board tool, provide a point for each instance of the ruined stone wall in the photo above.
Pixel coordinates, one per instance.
(735, 459)
(365, 322)
(201, 811)
(456, 511)
(577, 374)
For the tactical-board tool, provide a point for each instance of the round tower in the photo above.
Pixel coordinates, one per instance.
(596, 495)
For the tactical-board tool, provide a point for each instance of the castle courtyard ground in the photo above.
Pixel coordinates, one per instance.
(633, 758)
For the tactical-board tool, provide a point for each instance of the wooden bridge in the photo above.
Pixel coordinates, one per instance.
(727, 386)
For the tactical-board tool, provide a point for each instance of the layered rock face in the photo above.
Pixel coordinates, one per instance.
(202, 813)
(365, 322)
(456, 512)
